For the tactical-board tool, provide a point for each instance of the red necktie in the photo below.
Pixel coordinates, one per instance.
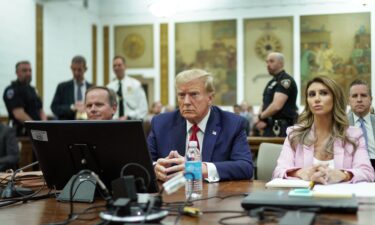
(193, 136)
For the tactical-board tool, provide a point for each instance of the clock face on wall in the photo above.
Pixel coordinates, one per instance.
(133, 46)
(266, 44)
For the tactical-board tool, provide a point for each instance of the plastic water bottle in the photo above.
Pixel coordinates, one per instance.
(193, 165)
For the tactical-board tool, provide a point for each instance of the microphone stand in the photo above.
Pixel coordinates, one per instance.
(10, 191)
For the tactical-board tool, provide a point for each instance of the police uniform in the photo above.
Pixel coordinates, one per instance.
(277, 123)
(134, 98)
(19, 95)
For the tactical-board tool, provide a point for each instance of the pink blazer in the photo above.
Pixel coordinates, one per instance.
(357, 163)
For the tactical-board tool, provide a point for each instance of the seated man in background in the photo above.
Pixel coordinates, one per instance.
(9, 152)
(100, 103)
(221, 136)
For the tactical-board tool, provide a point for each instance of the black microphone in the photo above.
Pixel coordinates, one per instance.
(10, 191)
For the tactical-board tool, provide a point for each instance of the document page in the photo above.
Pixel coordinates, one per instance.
(279, 182)
(362, 190)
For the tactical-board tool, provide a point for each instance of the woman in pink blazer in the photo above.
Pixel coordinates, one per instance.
(322, 147)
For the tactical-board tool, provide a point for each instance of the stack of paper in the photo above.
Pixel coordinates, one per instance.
(359, 189)
(286, 183)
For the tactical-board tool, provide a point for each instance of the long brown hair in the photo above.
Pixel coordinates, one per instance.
(340, 123)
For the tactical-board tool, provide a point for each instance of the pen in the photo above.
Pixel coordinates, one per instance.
(311, 185)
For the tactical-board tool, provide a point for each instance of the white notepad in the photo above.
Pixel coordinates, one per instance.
(359, 189)
(280, 183)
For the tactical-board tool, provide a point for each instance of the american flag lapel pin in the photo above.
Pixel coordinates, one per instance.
(214, 132)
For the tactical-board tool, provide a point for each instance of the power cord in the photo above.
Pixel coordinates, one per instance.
(123, 169)
(87, 211)
(222, 220)
(73, 216)
(24, 198)
(10, 191)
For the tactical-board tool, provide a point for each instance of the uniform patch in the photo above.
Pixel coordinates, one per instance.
(10, 93)
(286, 83)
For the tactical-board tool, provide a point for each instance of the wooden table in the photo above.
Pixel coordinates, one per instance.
(49, 210)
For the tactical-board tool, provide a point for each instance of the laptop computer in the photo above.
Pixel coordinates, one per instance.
(64, 148)
(281, 199)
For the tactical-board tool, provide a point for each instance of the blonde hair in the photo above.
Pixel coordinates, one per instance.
(193, 74)
(340, 122)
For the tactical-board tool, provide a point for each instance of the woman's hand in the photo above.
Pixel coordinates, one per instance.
(321, 174)
(305, 173)
(336, 176)
(326, 175)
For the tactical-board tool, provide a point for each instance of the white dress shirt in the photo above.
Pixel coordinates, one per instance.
(83, 90)
(212, 174)
(370, 133)
(134, 97)
(330, 163)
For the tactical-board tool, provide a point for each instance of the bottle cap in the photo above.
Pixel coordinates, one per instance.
(193, 144)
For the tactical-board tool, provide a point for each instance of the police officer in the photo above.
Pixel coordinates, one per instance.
(131, 98)
(21, 99)
(279, 108)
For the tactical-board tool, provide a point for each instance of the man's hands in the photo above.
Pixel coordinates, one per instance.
(260, 125)
(79, 106)
(170, 166)
(320, 173)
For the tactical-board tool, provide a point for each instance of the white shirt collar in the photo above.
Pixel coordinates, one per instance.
(202, 125)
(76, 82)
(123, 79)
(366, 118)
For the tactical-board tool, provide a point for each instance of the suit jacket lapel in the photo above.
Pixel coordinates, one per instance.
(212, 131)
(71, 93)
(351, 119)
(338, 156)
(88, 85)
(178, 135)
(372, 117)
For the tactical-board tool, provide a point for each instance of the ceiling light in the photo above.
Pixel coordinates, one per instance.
(163, 8)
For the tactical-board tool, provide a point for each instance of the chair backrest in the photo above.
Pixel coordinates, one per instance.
(267, 160)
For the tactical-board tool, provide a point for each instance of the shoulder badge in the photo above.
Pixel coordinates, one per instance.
(286, 83)
(10, 93)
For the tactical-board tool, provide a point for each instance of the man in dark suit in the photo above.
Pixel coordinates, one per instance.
(68, 102)
(221, 135)
(360, 100)
(9, 153)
